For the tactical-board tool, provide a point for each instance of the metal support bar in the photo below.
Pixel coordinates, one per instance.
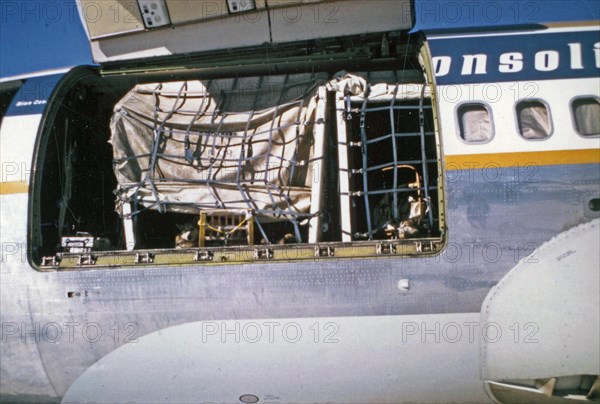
(318, 167)
(344, 170)
(365, 163)
(128, 226)
(395, 151)
(424, 159)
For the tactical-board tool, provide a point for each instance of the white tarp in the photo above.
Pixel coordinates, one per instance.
(243, 143)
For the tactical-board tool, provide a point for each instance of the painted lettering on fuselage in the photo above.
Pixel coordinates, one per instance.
(515, 57)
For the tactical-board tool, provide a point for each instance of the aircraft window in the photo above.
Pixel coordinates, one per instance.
(533, 119)
(586, 115)
(231, 170)
(475, 123)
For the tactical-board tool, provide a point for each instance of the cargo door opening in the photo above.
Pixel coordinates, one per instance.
(132, 170)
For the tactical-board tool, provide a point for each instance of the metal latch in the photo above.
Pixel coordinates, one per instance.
(144, 258)
(83, 243)
(203, 256)
(78, 244)
(53, 261)
(421, 247)
(86, 259)
(327, 251)
(263, 254)
(385, 249)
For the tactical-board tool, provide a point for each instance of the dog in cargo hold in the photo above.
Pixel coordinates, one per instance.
(188, 236)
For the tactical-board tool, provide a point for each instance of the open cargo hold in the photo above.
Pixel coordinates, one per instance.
(254, 146)
(238, 145)
(318, 161)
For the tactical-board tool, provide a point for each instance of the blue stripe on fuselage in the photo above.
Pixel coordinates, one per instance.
(33, 96)
(537, 56)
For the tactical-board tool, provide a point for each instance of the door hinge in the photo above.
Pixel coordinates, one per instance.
(385, 249)
(144, 258)
(263, 254)
(327, 251)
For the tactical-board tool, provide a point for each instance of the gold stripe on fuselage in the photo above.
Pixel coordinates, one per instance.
(14, 187)
(453, 162)
(521, 159)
